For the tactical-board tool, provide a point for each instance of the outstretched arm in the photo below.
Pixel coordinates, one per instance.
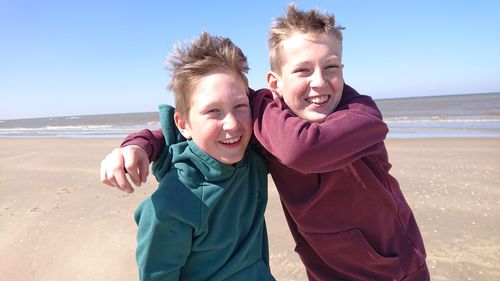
(152, 142)
(130, 159)
(137, 151)
(354, 130)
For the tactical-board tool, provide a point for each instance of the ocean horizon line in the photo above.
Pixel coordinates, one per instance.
(438, 96)
(468, 115)
(77, 115)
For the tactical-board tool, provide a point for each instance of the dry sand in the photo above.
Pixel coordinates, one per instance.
(58, 222)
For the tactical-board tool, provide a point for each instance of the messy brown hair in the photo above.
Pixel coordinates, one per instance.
(191, 61)
(297, 21)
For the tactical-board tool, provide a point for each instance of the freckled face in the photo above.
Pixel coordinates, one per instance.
(219, 119)
(311, 79)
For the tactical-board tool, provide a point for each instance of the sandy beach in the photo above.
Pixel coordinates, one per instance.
(58, 222)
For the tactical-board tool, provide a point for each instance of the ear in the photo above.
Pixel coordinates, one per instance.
(274, 83)
(183, 125)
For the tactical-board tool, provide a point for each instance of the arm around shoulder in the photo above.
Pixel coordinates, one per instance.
(152, 142)
(353, 131)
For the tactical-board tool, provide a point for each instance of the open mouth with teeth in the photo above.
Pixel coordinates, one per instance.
(318, 99)
(231, 141)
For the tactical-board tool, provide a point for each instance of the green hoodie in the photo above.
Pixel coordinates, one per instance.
(206, 219)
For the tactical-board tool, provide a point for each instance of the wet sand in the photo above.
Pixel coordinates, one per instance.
(58, 222)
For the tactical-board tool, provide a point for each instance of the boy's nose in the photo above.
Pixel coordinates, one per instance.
(317, 79)
(229, 122)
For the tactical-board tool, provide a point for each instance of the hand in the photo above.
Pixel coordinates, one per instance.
(130, 159)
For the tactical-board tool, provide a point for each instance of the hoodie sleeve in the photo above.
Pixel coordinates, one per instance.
(152, 142)
(354, 130)
(155, 143)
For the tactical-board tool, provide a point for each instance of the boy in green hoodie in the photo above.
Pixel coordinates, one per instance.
(206, 219)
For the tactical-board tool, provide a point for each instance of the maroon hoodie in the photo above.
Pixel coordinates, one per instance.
(347, 214)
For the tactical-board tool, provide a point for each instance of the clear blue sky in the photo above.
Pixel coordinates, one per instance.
(60, 57)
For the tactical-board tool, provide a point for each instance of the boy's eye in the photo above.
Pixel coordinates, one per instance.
(213, 110)
(302, 72)
(242, 105)
(333, 66)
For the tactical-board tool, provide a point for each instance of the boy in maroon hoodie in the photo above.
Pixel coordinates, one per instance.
(324, 145)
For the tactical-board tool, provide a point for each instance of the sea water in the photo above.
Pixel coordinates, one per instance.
(443, 116)
(475, 115)
(87, 126)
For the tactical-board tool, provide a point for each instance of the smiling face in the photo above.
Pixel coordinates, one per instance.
(219, 117)
(311, 79)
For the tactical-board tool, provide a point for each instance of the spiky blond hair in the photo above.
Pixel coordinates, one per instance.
(191, 61)
(295, 21)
